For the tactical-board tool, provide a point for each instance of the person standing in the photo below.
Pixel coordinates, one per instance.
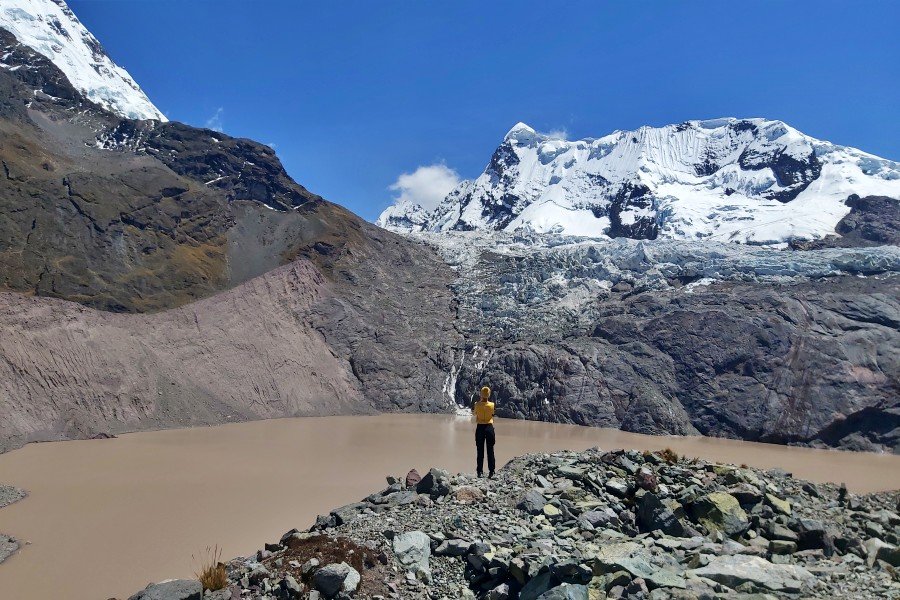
(484, 431)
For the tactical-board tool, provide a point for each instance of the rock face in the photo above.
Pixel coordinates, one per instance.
(502, 548)
(667, 337)
(872, 221)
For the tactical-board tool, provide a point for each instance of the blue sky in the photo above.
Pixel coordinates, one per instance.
(353, 94)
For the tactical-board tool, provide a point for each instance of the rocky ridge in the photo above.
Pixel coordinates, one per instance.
(620, 524)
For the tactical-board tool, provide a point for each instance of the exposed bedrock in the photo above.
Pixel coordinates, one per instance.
(810, 362)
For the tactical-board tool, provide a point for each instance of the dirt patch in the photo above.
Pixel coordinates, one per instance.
(372, 563)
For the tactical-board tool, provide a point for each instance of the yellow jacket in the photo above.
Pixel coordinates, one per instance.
(484, 413)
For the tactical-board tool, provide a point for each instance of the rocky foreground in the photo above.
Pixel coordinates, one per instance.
(569, 525)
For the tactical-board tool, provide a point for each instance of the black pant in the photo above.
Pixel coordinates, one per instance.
(485, 433)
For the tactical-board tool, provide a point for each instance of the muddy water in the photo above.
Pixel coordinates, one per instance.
(105, 517)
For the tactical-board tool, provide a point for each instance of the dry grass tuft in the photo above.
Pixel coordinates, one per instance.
(670, 456)
(212, 571)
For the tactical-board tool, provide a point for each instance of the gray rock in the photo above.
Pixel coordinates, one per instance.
(616, 487)
(532, 502)
(877, 549)
(413, 550)
(336, 578)
(719, 511)
(435, 483)
(454, 547)
(346, 514)
(178, 589)
(566, 591)
(536, 586)
(571, 571)
(653, 515)
(740, 569)
(289, 587)
(639, 566)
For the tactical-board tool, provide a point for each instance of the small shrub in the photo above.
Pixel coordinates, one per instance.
(212, 571)
(669, 455)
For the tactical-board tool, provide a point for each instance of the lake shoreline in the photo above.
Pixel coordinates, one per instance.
(188, 483)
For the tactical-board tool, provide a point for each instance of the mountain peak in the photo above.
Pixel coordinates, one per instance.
(50, 28)
(755, 181)
(521, 132)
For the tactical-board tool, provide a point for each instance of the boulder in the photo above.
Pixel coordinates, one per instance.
(536, 586)
(401, 498)
(412, 479)
(178, 589)
(336, 578)
(739, 569)
(746, 494)
(289, 588)
(877, 549)
(454, 547)
(599, 517)
(346, 514)
(551, 511)
(573, 473)
(413, 550)
(814, 535)
(571, 571)
(639, 566)
(782, 547)
(468, 494)
(779, 505)
(645, 479)
(652, 515)
(436, 483)
(566, 591)
(532, 502)
(616, 487)
(720, 511)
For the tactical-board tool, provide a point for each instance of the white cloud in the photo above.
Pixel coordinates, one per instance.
(426, 186)
(558, 134)
(215, 121)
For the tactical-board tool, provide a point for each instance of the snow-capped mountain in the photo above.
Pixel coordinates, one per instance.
(50, 28)
(755, 181)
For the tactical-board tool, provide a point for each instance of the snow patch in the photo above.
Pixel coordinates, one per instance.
(50, 28)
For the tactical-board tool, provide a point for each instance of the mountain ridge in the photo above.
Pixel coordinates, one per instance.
(50, 28)
(755, 181)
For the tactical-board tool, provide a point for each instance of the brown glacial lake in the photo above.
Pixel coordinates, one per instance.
(106, 517)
